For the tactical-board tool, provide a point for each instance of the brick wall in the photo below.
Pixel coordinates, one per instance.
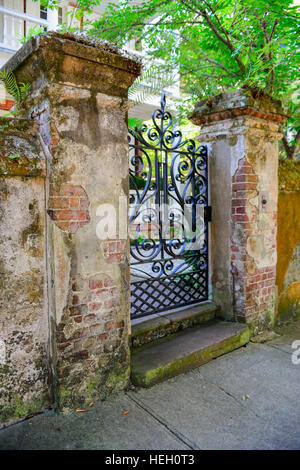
(68, 207)
(89, 328)
(114, 250)
(253, 293)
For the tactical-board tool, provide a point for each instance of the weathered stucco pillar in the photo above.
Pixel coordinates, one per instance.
(78, 96)
(242, 130)
(24, 329)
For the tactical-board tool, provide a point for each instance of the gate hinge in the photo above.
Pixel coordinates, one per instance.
(207, 213)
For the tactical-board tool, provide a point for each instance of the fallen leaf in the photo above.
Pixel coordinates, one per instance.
(246, 397)
(125, 413)
(81, 411)
(130, 388)
(33, 415)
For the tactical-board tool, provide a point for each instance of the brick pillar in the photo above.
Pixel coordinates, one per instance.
(78, 96)
(242, 129)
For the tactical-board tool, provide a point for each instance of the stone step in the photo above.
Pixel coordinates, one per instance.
(185, 350)
(148, 329)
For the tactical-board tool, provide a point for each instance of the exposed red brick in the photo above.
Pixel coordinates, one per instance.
(109, 325)
(254, 288)
(79, 355)
(93, 284)
(63, 346)
(66, 215)
(247, 111)
(59, 203)
(108, 282)
(74, 202)
(71, 190)
(94, 306)
(68, 207)
(102, 337)
(78, 310)
(83, 203)
(113, 250)
(240, 210)
(114, 258)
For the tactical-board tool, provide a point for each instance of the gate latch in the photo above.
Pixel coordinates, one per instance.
(207, 213)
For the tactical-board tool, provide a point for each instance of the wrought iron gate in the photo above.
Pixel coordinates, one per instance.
(169, 217)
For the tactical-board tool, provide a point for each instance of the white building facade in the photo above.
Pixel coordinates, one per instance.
(18, 18)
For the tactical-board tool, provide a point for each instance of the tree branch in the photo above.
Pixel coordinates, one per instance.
(273, 29)
(291, 149)
(211, 25)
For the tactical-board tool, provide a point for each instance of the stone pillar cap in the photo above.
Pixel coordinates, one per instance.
(241, 102)
(52, 54)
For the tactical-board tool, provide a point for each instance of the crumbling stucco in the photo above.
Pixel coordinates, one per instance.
(24, 329)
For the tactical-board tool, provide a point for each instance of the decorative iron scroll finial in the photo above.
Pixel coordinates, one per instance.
(163, 102)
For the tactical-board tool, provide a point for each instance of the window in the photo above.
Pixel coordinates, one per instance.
(43, 12)
(43, 15)
(60, 15)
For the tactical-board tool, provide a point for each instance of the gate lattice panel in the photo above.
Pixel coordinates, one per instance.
(168, 217)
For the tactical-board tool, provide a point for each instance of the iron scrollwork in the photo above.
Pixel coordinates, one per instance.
(169, 233)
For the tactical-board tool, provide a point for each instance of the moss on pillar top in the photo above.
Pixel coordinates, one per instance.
(75, 60)
(241, 102)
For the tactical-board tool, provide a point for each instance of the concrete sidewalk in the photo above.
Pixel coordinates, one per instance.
(248, 399)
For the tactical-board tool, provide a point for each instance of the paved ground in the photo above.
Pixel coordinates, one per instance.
(248, 399)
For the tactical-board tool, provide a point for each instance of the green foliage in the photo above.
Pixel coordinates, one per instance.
(216, 44)
(134, 122)
(17, 90)
(13, 157)
(137, 182)
(152, 82)
(36, 30)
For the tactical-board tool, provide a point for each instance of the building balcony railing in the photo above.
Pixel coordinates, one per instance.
(13, 25)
